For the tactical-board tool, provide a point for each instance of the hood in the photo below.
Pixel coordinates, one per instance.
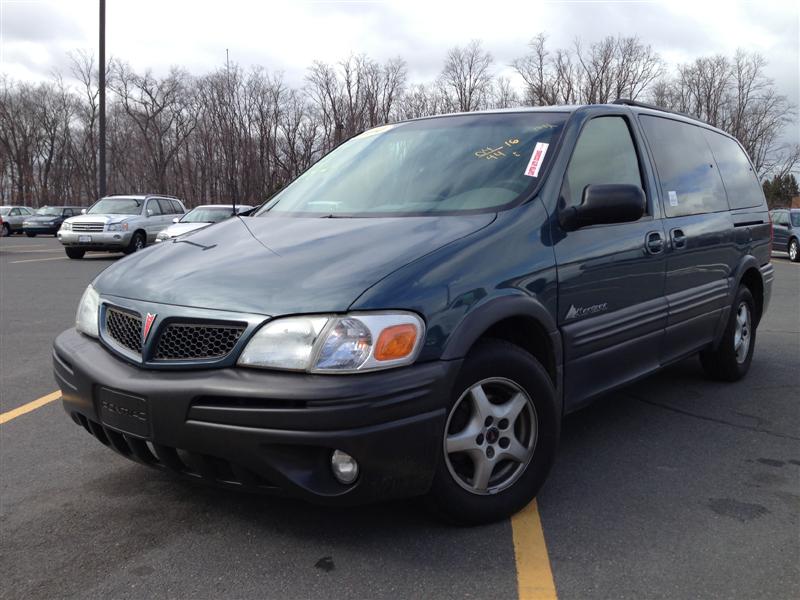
(177, 229)
(42, 218)
(281, 265)
(98, 218)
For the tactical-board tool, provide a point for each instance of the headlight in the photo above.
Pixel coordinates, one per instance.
(88, 312)
(66, 226)
(118, 227)
(336, 344)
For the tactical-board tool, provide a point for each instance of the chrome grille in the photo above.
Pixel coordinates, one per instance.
(188, 341)
(88, 226)
(125, 329)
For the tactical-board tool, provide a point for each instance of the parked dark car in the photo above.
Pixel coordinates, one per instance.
(786, 232)
(417, 311)
(48, 219)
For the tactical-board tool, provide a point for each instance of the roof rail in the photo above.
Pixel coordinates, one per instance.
(629, 102)
(162, 196)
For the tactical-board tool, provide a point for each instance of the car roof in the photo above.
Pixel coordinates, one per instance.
(635, 108)
(219, 206)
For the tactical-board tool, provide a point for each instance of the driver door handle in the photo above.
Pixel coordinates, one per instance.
(654, 242)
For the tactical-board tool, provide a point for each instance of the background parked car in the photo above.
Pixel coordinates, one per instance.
(48, 219)
(13, 217)
(200, 217)
(118, 224)
(786, 232)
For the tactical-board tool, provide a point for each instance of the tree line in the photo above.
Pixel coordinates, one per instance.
(237, 134)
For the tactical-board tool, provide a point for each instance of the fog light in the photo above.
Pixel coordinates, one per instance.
(344, 466)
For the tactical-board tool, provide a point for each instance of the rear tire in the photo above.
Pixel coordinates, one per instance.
(503, 418)
(794, 250)
(731, 360)
(138, 242)
(6, 230)
(74, 252)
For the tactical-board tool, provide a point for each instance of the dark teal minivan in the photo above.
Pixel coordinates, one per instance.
(416, 312)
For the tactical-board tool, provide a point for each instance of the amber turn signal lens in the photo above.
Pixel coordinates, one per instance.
(396, 342)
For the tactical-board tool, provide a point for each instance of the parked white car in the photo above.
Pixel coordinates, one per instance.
(199, 218)
(119, 224)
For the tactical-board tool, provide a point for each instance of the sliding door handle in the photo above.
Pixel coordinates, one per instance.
(678, 238)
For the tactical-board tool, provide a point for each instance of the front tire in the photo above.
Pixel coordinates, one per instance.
(6, 230)
(794, 250)
(75, 252)
(731, 360)
(30, 234)
(500, 437)
(138, 242)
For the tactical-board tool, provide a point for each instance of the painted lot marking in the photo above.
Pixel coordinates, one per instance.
(4, 251)
(16, 262)
(534, 577)
(30, 406)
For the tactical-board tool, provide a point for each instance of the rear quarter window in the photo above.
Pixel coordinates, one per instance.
(741, 183)
(690, 182)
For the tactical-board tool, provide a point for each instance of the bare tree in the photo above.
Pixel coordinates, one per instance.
(467, 77)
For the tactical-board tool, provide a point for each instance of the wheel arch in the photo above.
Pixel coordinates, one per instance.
(520, 320)
(749, 274)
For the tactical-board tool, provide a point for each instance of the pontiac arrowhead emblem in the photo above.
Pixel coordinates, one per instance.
(148, 324)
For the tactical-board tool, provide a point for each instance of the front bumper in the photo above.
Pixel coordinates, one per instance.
(264, 430)
(100, 240)
(40, 229)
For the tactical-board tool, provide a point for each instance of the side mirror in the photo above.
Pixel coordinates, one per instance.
(83, 211)
(605, 204)
(176, 219)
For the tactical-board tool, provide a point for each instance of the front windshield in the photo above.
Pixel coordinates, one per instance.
(795, 219)
(116, 206)
(440, 165)
(49, 211)
(204, 214)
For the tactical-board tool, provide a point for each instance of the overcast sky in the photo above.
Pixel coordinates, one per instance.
(35, 35)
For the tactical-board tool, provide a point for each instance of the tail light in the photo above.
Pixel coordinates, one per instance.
(771, 235)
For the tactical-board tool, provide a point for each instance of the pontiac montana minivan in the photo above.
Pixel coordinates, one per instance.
(417, 311)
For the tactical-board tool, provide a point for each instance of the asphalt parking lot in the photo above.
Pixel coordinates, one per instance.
(676, 487)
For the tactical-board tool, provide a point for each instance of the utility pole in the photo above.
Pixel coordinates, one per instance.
(102, 86)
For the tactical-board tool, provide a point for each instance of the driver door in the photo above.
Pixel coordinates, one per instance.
(612, 309)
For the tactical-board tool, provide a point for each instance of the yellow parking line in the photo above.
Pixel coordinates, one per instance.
(534, 577)
(26, 408)
(16, 262)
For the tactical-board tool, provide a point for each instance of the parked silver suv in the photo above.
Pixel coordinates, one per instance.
(119, 224)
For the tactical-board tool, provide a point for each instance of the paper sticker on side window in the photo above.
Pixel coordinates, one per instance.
(673, 198)
(535, 163)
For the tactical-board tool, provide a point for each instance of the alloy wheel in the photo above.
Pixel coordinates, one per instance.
(741, 335)
(490, 436)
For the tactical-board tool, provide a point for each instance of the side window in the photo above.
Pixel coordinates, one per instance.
(741, 182)
(781, 218)
(604, 154)
(15, 212)
(153, 208)
(166, 206)
(176, 207)
(690, 184)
